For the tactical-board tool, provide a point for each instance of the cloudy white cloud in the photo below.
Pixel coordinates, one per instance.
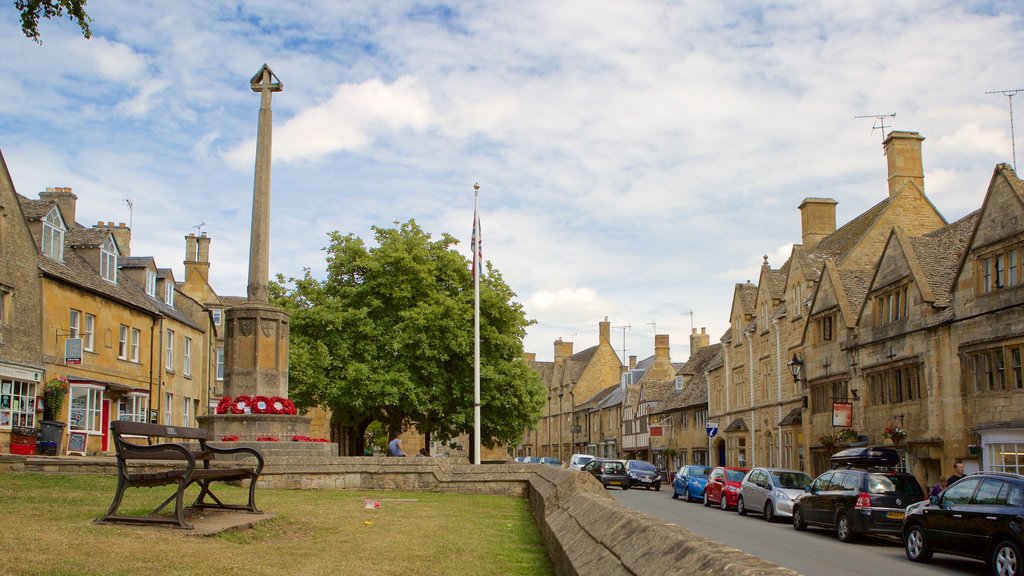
(636, 159)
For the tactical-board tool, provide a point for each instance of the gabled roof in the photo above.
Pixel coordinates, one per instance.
(939, 254)
(34, 209)
(840, 243)
(77, 272)
(746, 297)
(594, 402)
(855, 286)
(135, 261)
(695, 388)
(86, 237)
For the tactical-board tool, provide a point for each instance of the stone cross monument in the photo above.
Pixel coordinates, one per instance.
(266, 83)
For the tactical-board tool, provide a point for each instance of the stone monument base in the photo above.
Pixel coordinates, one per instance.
(250, 427)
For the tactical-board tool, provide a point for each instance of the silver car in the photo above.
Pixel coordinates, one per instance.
(771, 491)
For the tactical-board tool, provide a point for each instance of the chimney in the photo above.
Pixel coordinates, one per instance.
(661, 351)
(699, 341)
(196, 248)
(562, 349)
(817, 220)
(122, 235)
(604, 329)
(903, 155)
(529, 357)
(632, 361)
(65, 200)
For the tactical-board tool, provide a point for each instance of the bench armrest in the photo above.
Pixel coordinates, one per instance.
(167, 451)
(239, 450)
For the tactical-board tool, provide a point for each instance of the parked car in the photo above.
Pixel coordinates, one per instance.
(771, 491)
(855, 501)
(977, 517)
(724, 486)
(689, 482)
(578, 461)
(609, 472)
(644, 474)
(550, 461)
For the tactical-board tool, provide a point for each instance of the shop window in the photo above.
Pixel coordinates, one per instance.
(17, 403)
(133, 408)
(86, 403)
(1006, 457)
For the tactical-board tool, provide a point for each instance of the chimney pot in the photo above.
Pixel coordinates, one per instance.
(817, 220)
(903, 159)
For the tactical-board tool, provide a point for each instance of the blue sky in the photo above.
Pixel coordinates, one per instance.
(636, 159)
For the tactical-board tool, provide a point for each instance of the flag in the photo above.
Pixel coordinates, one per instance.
(477, 243)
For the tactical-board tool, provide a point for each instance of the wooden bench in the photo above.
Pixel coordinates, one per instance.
(181, 469)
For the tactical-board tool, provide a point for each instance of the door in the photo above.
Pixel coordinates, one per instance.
(755, 491)
(105, 418)
(813, 502)
(946, 524)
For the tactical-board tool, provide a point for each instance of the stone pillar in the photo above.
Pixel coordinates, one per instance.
(264, 82)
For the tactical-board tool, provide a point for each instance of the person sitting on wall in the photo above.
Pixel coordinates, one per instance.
(395, 447)
(423, 453)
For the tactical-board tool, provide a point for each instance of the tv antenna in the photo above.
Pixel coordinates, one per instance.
(653, 325)
(880, 125)
(131, 211)
(1009, 96)
(624, 327)
(199, 227)
(690, 314)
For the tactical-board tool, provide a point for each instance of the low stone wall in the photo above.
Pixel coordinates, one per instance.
(584, 529)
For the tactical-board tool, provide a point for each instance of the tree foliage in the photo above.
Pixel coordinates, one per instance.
(388, 336)
(32, 10)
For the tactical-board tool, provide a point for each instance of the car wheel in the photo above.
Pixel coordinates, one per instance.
(739, 507)
(798, 519)
(723, 502)
(1006, 560)
(843, 530)
(625, 486)
(916, 545)
(769, 512)
(706, 501)
(657, 488)
(675, 495)
(687, 496)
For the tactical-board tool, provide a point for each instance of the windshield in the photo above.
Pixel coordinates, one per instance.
(735, 475)
(791, 480)
(641, 465)
(879, 483)
(699, 472)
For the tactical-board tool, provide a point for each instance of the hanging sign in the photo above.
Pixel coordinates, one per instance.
(842, 414)
(73, 351)
(712, 428)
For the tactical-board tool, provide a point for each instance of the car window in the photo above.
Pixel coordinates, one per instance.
(699, 471)
(591, 465)
(849, 481)
(791, 480)
(716, 474)
(642, 465)
(823, 481)
(1014, 496)
(992, 492)
(960, 492)
(735, 475)
(890, 483)
(614, 468)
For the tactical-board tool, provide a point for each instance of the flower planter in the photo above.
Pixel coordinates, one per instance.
(23, 440)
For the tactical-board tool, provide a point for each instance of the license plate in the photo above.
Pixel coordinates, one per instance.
(614, 482)
(894, 515)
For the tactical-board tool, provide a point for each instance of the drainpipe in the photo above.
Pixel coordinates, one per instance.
(750, 387)
(778, 387)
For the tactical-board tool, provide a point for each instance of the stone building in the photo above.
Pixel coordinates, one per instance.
(648, 384)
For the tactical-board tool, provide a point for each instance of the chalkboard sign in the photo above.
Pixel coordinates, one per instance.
(76, 442)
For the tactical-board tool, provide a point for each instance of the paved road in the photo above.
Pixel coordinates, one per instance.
(813, 553)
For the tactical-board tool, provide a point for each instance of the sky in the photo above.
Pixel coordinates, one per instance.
(636, 160)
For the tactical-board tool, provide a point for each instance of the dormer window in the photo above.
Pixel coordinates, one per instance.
(53, 236)
(151, 283)
(679, 383)
(108, 260)
(169, 292)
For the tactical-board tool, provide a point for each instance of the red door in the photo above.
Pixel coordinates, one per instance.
(106, 424)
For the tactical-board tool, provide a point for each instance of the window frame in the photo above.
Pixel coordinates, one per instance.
(137, 412)
(186, 351)
(91, 410)
(169, 351)
(133, 347)
(54, 229)
(122, 342)
(89, 332)
(21, 403)
(108, 260)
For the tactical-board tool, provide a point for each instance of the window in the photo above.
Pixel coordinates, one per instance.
(169, 356)
(895, 385)
(1000, 269)
(679, 383)
(987, 370)
(822, 395)
(75, 324)
(220, 363)
(1012, 259)
(53, 236)
(5, 305)
(17, 403)
(187, 353)
(186, 411)
(797, 302)
(892, 305)
(136, 336)
(133, 408)
(682, 420)
(151, 283)
(218, 316)
(168, 398)
(108, 260)
(825, 325)
(122, 343)
(1008, 457)
(700, 419)
(169, 292)
(86, 402)
(89, 332)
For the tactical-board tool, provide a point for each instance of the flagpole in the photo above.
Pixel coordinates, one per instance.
(476, 323)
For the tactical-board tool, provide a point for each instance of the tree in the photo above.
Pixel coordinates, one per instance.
(388, 336)
(31, 10)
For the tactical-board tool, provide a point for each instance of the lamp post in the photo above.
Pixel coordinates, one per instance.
(796, 367)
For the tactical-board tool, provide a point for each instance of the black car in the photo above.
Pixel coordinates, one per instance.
(979, 517)
(608, 472)
(644, 474)
(855, 501)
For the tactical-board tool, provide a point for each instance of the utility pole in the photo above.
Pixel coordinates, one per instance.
(1013, 144)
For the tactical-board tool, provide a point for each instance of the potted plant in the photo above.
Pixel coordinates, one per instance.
(23, 440)
(894, 433)
(847, 435)
(828, 441)
(54, 392)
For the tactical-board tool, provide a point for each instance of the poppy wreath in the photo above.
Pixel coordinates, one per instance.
(290, 407)
(277, 405)
(224, 405)
(229, 438)
(261, 405)
(240, 404)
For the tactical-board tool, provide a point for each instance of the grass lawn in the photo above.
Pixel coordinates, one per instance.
(48, 529)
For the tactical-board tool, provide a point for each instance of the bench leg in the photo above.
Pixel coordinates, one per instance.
(122, 485)
(205, 491)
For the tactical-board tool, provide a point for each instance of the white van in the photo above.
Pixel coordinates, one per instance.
(578, 461)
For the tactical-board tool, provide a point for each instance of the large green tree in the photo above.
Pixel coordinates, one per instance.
(388, 336)
(32, 10)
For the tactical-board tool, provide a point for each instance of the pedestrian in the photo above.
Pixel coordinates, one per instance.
(424, 453)
(958, 473)
(938, 488)
(395, 447)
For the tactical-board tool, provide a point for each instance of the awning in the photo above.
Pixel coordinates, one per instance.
(112, 386)
(795, 417)
(737, 425)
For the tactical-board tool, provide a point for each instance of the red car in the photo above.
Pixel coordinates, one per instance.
(724, 486)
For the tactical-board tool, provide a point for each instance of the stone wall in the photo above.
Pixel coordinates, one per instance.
(584, 529)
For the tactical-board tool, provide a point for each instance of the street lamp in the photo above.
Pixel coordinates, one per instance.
(795, 367)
